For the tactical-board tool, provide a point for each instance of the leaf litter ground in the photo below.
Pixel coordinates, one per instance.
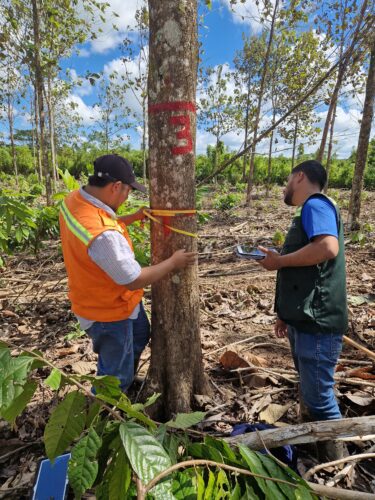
(251, 371)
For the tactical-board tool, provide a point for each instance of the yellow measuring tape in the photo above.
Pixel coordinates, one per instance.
(170, 213)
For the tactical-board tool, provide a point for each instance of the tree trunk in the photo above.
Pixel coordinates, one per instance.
(39, 85)
(330, 146)
(176, 369)
(259, 106)
(51, 122)
(144, 149)
(294, 141)
(11, 136)
(38, 167)
(363, 141)
(247, 117)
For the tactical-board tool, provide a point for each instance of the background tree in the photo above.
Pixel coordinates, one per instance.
(363, 142)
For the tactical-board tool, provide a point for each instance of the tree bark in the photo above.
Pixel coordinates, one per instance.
(51, 123)
(38, 166)
(295, 133)
(39, 86)
(363, 141)
(330, 146)
(176, 369)
(11, 135)
(259, 106)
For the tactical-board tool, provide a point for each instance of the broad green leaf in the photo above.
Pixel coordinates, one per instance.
(151, 400)
(200, 486)
(186, 420)
(236, 493)
(13, 376)
(54, 379)
(120, 477)
(19, 403)
(200, 450)
(147, 457)
(183, 486)
(93, 411)
(269, 488)
(222, 485)
(275, 470)
(83, 466)
(223, 448)
(210, 490)
(65, 424)
(107, 385)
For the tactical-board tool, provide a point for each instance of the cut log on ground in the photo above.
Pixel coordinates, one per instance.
(340, 493)
(309, 432)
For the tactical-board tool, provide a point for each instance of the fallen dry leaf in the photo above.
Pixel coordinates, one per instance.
(274, 412)
(84, 367)
(67, 350)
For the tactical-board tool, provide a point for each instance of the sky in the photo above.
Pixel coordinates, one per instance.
(221, 34)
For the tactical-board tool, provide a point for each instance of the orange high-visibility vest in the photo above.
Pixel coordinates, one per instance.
(93, 294)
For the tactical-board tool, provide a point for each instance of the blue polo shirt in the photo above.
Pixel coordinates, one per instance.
(319, 218)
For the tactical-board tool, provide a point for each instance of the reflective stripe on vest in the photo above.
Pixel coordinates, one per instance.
(74, 226)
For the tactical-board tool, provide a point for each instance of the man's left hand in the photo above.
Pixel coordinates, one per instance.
(272, 260)
(139, 215)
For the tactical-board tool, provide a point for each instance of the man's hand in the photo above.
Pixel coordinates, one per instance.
(281, 328)
(272, 260)
(181, 259)
(139, 214)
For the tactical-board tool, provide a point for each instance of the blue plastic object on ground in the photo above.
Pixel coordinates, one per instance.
(52, 480)
(286, 454)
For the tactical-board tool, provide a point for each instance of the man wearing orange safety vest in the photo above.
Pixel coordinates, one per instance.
(105, 281)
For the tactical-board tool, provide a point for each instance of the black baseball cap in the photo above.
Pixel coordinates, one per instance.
(116, 168)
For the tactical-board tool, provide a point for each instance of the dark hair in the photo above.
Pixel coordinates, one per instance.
(314, 171)
(96, 181)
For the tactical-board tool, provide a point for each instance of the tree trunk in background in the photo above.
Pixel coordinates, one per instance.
(363, 141)
(144, 148)
(51, 122)
(330, 146)
(247, 118)
(295, 133)
(36, 130)
(250, 181)
(176, 369)
(39, 86)
(11, 136)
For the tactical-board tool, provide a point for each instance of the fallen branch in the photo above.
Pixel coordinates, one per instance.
(339, 493)
(354, 428)
(356, 458)
(358, 346)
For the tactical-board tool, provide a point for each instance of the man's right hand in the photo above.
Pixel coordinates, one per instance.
(281, 328)
(182, 259)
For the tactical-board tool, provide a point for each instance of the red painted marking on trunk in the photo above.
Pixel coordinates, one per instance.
(183, 134)
(172, 106)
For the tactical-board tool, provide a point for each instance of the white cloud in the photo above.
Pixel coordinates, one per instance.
(119, 13)
(245, 13)
(88, 114)
(130, 71)
(82, 86)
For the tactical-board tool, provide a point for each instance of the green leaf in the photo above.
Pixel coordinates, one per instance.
(13, 376)
(93, 411)
(275, 470)
(186, 420)
(19, 403)
(147, 457)
(269, 488)
(54, 379)
(83, 466)
(65, 424)
(200, 486)
(183, 487)
(120, 477)
(210, 490)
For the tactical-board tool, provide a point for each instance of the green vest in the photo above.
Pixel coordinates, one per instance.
(312, 298)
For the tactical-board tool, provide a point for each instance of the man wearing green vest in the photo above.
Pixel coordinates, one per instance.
(310, 300)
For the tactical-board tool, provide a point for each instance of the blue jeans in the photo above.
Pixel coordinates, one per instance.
(315, 356)
(119, 345)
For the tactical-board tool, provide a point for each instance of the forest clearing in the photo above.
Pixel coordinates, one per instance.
(187, 268)
(236, 311)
